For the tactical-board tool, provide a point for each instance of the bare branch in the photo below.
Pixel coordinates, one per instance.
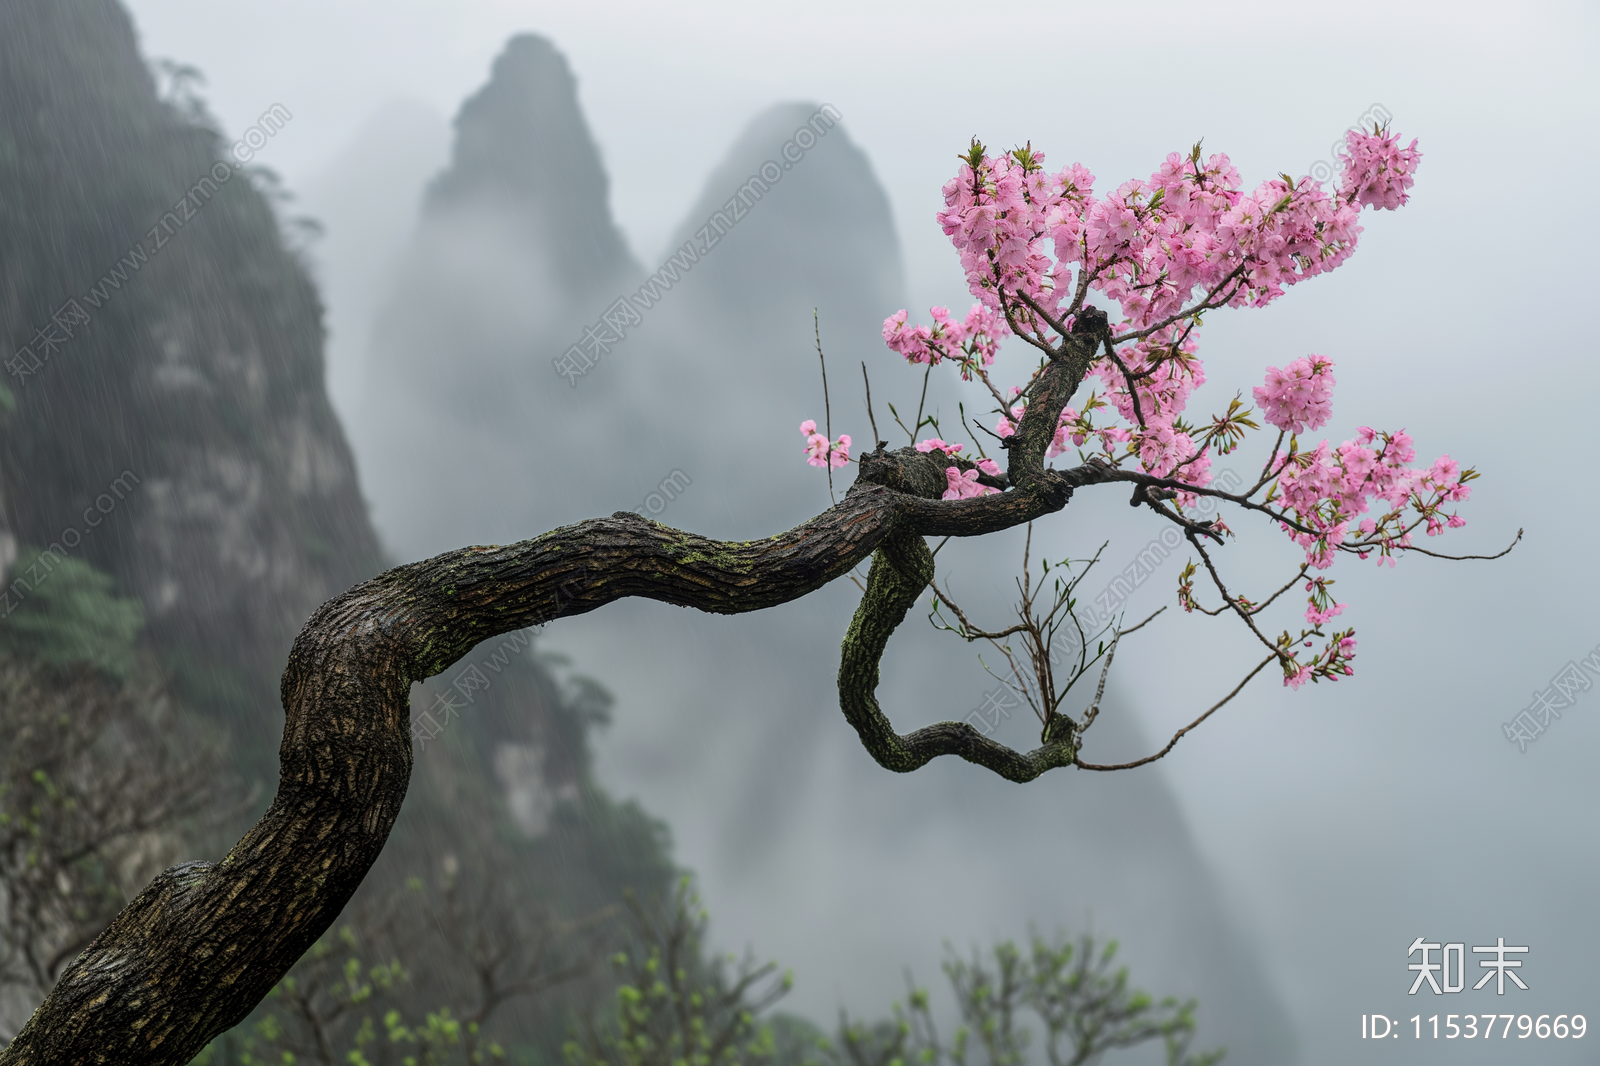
(872, 419)
(1179, 734)
(827, 408)
(1459, 558)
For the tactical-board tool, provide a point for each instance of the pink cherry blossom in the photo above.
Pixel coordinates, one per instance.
(1377, 171)
(1191, 238)
(1300, 396)
(819, 451)
(963, 484)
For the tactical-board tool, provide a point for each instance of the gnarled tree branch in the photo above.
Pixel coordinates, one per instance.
(205, 942)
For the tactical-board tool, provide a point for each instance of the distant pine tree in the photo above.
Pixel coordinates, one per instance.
(71, 615)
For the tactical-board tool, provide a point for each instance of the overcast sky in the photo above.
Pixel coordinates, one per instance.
(1346, 821)
(666, 87)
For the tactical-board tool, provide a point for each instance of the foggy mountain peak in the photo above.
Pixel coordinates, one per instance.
(791, 222)
(521, 143)
(829, 204)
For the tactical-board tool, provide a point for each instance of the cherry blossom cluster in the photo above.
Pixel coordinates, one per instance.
(1330, 664)
(1326, 491)
(1034, 244)
(1187, 240)
(1377, 171)
(819, 451)
(971, 343)
(1320, 607)
(964, 483)
(1299, 397)
(1152, 245)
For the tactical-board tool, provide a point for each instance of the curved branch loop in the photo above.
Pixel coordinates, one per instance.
(901, 568)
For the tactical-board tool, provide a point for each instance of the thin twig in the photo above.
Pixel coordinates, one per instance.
(1100, 690)
(922, 402)
(1133, 390)
(1029, 333)
(1227, 597)
(1293, 581)
(1093, 711)
(876, 443)
(1457, 558)
(1141, 625)
(968, 631)
(1189, 526)
(979, 425)
(1080, 764)
(827, 411)
(1263, 605)
(899, 423)
(1266, 468)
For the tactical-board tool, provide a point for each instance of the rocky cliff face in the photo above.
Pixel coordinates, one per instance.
(167, 421)
(173, 422)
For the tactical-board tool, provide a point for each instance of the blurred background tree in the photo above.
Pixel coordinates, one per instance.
(375, 993)
(96, 797)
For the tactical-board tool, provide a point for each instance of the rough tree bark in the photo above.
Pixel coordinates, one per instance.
(205, 942)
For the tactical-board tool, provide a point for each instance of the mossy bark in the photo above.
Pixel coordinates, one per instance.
(901, 569)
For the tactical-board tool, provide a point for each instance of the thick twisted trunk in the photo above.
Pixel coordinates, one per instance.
(205, 942)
